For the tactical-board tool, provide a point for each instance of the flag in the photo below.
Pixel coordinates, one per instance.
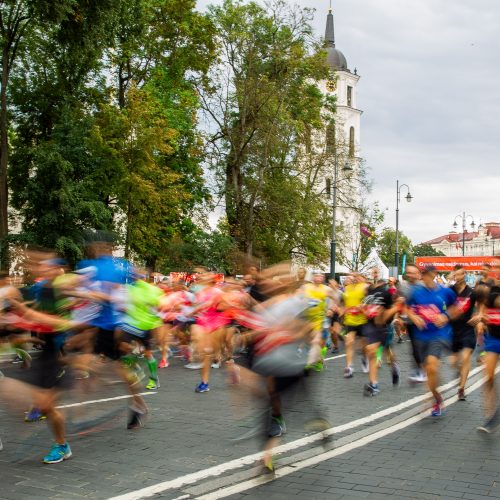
(365, 232)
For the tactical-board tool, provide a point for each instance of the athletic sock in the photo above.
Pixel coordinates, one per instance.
(153, 365)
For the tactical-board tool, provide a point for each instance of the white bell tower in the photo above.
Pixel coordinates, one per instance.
(344, 86)
(347, 127)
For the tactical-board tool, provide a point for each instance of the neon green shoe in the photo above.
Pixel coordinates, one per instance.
(153, 384)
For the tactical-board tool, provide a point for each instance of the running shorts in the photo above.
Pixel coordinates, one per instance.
(131, 333)
(464, 339)
(374, 334)
(358, 329)
(433, 347)
(491, 344)
(105, 344)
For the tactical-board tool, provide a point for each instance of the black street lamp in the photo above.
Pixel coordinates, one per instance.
(464, 227)
(408, 198)
(333, 245)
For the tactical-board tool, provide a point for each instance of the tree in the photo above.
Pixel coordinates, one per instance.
(18, 19)
(386, 244)
(266, 110)
(424, 250)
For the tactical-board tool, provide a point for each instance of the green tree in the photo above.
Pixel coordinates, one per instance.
(18, 20)
(265, 107)
(386, 244)
(424, 250)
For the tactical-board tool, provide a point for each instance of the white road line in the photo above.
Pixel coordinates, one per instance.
(309, 462)
(217, 470)
(94, 401)
(335, 357)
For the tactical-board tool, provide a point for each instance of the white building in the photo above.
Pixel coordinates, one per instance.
(344, 86)
(483, 242)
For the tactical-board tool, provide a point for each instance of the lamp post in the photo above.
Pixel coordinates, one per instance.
(333, 245)
(408, 198)
(464, 227)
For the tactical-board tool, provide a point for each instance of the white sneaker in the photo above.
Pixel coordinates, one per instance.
(215, 365)
(193, 366)
(364, 365)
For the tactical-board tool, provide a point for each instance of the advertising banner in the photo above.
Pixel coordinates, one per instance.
(448, 263)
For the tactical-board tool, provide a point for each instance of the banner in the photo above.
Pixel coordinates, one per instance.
(448, 263)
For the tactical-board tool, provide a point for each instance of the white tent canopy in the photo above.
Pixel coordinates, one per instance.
(374, 260)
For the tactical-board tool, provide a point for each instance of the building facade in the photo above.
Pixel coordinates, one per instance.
(483, 242)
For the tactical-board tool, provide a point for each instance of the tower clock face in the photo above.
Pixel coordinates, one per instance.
(331, 85)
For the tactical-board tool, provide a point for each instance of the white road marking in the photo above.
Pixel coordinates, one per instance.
(309, 462)
(94, 401)
(335, 357)
(217, 470)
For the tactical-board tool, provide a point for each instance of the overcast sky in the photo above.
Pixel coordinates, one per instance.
(430, 92)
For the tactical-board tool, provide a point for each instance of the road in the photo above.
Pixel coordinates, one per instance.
(379, 447)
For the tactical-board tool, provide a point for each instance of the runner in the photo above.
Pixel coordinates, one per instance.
(317, 294)
(379, 309)
(354, 319)
(428, 310)
(464, 336)
(490, 327)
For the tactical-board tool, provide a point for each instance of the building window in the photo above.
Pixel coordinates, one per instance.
(351, 142)
(349, 95)
(330, 138)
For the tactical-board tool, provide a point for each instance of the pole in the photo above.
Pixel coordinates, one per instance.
(396, 256)
(463, 235)
(333, 249)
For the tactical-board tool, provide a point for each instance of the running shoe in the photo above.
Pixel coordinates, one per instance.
(277, 427)
(461, 395)
(17, 359)
(364, 365)
(215, 365)
(334, 350)
(202, 387)
(490, 425)
(163, 364)
(437, 409)
(371, 390)
(396, 373)
(135, 420)
(193, 366)
(153, 384)
(57, 453)
(348, 372)
(418, 377)
(34, 415)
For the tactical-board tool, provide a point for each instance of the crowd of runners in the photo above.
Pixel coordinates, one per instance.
(106, 315)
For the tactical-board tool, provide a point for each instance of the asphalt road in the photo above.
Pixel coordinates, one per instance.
(378, 447)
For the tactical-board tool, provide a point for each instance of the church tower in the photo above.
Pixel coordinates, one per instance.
(343, 85)
(346, 129)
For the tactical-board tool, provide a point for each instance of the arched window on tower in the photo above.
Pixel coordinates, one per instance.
(330, 138)
(351, 142)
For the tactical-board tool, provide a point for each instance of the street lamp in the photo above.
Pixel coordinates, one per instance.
(408, 198)
(464, 227)
(333, 246)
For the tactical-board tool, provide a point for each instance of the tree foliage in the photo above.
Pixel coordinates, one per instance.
(425, 250)
(386, 244)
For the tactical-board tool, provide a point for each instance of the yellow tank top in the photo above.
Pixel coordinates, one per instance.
(353, 297)
(319, 293)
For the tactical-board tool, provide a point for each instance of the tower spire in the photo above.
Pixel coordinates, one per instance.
(329, 33)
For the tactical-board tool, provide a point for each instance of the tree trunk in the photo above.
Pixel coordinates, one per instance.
(4, 158)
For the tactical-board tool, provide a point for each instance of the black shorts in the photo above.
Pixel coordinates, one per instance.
(374, 334)
(335, 319)
(464, 339)
(46, 372)
(131, 334)
(358, 329)
(433, 347)
(105, 344)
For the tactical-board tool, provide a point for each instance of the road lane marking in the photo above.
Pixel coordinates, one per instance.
(94, 401)
(220, 469)
(309, 462)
